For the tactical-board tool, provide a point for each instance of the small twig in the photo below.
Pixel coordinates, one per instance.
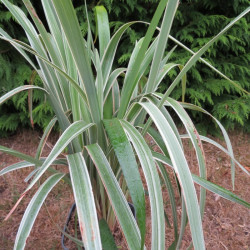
(223, 245)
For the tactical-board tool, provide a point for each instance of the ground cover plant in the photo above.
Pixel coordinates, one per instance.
(104, 113)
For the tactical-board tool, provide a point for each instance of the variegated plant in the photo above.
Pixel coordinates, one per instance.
(104, 114)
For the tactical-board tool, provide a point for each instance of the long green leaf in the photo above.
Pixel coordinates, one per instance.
(68, 135)
(68, 20)
(126, 158)
(161, 44)
(111, 81)
(54, 27)
(22, 164)
(206, 184)
(21, 51)
(129, 87)
(53, 53)
(15, 91)
(33, 209)
(109, 55)
(20, 155)
(27, 26)
(102, 28)
(199, 53)
(170, 189)
(208, 64)
(196, 141)
(192, 61)
(224, 193)
(45, 137)
(117, 199)
(216, 144)
(29, 49)
(182, 170)
(49, 76)
(225, 135)
(85, 203)
(153, 184)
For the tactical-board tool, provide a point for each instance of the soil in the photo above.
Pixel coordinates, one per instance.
(226, 225)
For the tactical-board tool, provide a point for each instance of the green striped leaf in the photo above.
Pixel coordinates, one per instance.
(224, 193)
(153, 184)
(102, 28)
(69, 23)
(21, 51)
(117, 199)
(19, 165)
(85, 203)
(65, 139)
(225, 135)
(20, 155)
(196, 141)
(199, 53)
(15, 91)
(170, 189)
(126, 158)
(182, 170)
(109, 55)
(33, 209)
(216, 144)
(132, 75)
(45, 137)
(208, 64)
(161, 44)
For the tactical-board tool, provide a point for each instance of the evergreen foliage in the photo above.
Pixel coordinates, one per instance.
(14, 73)
(196, 22)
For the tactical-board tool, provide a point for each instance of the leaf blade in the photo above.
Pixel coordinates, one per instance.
(85, 202)
(33, 209)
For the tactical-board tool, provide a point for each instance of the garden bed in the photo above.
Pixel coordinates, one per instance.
(226, 225)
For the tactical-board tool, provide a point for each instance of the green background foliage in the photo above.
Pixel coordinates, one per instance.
(196, 23)
(16, 72)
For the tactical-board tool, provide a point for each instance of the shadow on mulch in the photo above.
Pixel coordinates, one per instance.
(226, 225)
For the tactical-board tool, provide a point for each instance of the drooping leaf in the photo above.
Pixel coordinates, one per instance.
(33, 209)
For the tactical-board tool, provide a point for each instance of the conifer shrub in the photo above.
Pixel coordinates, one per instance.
(205, 88)
(14, 72)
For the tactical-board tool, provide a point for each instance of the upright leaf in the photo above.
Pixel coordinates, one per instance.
(126, 158)
(102, 28)
(117, 199)
(153, 184)
(85, 202)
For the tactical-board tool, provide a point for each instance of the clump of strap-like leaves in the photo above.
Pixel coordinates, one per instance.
(104, 113)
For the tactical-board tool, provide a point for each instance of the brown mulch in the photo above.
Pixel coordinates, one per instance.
(226, 225)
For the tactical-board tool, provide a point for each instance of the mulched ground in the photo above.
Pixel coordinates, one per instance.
(226, 225)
